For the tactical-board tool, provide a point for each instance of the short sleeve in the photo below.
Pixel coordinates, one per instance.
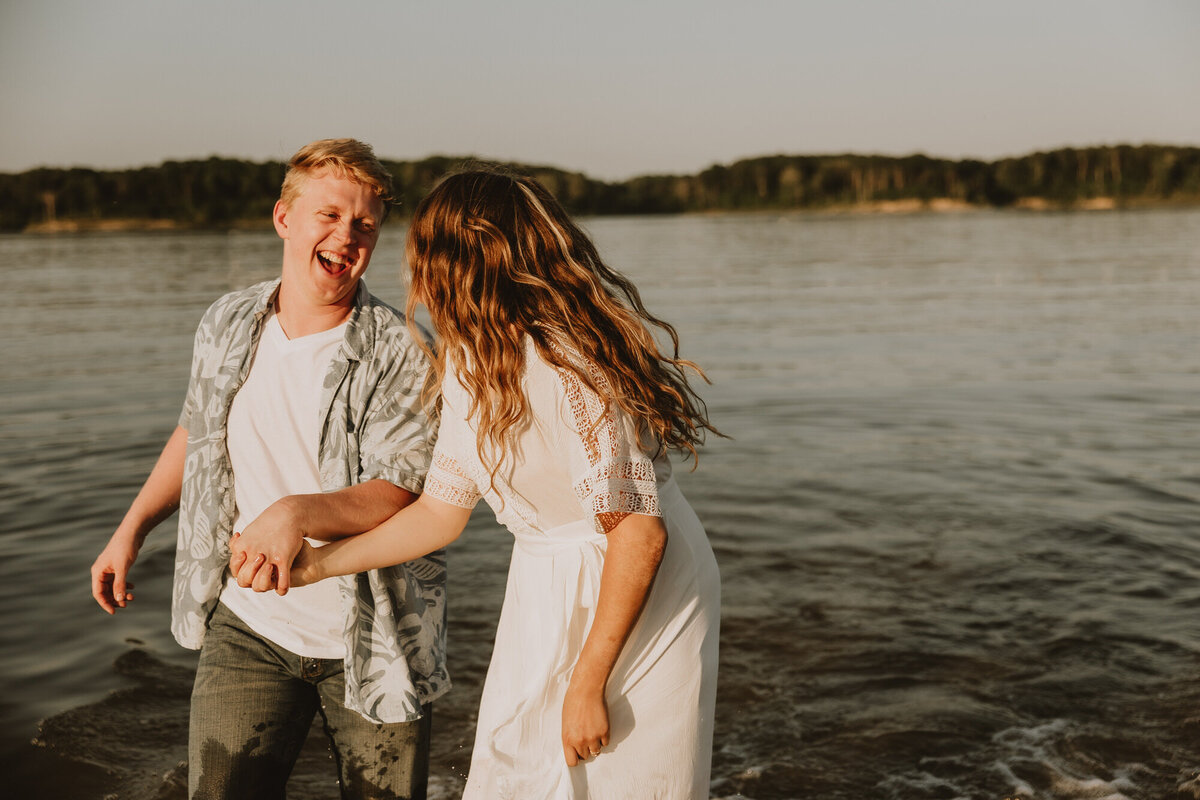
(616, 478)
(448, 482)
(191, 401)
(189, 406)
(396, 442)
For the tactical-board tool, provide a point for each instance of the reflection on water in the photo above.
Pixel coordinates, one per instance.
(957, 522)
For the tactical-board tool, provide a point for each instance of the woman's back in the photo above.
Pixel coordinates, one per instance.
(571, 459)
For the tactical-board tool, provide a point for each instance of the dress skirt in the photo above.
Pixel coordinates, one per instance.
(662, 691)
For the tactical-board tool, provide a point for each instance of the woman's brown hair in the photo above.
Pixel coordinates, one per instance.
(495, 258)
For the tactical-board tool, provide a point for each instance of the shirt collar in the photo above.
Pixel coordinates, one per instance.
(360, 336)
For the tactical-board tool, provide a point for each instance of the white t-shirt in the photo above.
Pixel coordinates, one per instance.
(274, 426)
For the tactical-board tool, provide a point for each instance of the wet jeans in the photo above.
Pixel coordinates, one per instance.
(252, 705)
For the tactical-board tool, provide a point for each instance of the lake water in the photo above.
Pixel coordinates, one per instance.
(957, 522)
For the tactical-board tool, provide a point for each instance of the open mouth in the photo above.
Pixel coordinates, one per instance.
(334, 263)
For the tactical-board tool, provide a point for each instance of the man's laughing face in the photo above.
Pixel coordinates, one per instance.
(329, 233)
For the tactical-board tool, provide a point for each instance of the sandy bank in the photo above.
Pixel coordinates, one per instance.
(937, 205)
(135, 225)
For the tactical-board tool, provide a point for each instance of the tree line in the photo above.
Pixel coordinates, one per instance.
(223, 192)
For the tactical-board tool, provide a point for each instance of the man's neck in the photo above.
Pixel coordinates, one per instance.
(298, 318)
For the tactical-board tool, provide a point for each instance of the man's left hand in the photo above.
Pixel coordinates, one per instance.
(261, 556)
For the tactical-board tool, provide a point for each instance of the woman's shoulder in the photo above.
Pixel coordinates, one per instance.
(556, 372)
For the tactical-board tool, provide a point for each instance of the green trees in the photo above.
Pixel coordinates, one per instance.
(221, 192)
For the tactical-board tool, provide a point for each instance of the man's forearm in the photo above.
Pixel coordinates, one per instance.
(328, 516)
(429, 525)
(276, 536)
(159, 495)
(157, 500)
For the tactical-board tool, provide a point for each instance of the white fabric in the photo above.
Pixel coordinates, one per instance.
(567, 473)
(274, 424)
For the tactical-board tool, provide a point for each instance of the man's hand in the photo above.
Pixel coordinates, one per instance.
(157, 500)
(261, 556)
(110, 572)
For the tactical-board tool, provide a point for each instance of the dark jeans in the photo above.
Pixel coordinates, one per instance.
(252, 706)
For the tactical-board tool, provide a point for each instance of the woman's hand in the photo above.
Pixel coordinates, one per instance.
(304, 566)
(635, 549)
(584, 722)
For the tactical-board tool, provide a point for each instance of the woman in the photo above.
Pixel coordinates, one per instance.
(557, 409)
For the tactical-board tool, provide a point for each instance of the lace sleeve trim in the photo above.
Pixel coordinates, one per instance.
(617, 489)
(447, 482)
(621, 479)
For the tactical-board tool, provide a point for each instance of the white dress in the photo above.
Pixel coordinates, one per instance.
(574, 465)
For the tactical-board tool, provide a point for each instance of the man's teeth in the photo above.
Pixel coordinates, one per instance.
(334, 258)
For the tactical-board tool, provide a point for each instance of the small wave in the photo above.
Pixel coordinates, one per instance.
(1037, 755)
(136, 738)
(1031, 763)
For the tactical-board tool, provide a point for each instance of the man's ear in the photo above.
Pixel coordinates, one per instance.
(279, 217)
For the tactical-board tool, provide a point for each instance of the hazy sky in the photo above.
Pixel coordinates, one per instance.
(614, 88)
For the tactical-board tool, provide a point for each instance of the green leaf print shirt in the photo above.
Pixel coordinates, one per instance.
(373, 427)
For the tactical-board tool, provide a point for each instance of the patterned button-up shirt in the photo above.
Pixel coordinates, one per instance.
(373, 426)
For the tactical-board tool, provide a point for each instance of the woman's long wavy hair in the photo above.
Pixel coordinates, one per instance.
(495, 258)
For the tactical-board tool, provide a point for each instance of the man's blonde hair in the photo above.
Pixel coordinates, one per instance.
(348, 158)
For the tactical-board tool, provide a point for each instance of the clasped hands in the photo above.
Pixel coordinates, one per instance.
(264, 555)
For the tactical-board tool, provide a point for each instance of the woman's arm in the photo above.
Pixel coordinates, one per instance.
(416, 530)
(277, 533)
(635, 549)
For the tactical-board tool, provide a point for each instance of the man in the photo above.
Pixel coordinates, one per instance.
(302, 419)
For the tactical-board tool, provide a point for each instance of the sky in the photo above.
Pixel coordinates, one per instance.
(612, 88)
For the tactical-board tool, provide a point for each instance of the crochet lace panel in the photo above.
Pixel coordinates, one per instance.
(621, 478)
(617, 489)
(448, 482)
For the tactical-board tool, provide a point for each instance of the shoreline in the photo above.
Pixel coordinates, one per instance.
(936, 205)
(136, 225)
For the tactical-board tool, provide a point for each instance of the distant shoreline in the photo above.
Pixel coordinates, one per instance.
(136, 225)
(223, 194)
(937, 205)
